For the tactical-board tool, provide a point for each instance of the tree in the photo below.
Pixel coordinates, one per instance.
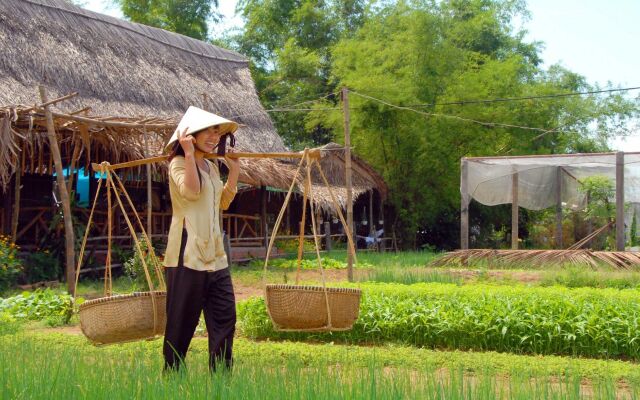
(289, 43)
(435, 55)
(187, 17)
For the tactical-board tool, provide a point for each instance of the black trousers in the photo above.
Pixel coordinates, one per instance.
(189, 293)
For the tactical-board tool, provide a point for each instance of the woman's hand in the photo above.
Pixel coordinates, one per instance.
(187, 142)
(232, 163)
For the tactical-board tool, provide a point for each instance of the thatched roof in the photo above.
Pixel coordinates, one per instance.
(123, 69)
(364, 178)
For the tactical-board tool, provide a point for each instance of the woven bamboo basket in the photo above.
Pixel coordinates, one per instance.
(304, 308)
(124, 318)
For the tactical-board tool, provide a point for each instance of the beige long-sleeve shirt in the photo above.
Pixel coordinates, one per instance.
(198, 212)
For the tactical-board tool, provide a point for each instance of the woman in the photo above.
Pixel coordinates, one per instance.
(198, 278)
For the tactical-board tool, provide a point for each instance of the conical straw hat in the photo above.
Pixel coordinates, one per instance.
(196, 120)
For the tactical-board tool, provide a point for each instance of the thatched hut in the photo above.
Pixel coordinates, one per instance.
(132, 82)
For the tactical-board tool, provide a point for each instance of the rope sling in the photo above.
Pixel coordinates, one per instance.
(142, 315)
(310, 308)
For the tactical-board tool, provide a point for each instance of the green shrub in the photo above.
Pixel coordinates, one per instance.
(134, 268)
(291, 245)
(580, 277)
(41, 305)
(41, 266)
(307, 263)
(9, 324)
(580, 322)
(10, 266)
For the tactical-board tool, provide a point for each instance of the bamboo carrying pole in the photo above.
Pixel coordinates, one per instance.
(347, 158)
(64, 194)
(314, 154)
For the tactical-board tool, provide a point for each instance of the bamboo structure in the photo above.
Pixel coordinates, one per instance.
(527, 259)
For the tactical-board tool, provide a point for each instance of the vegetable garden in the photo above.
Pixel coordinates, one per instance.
(442, 333)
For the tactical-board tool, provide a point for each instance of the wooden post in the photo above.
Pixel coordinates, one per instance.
(64, 195)
(149, 187)
(514, 211)
(559, 207)
(72, 165)
(347, 157)
(327, 235)
(7, 214)
(372, 225)
(382, 245)
(620, 201)
(464, 204)
(263, 214)
(15, 216)
(287, 220)
(589, 222)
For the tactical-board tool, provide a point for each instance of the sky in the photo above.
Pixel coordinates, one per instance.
(595, 38)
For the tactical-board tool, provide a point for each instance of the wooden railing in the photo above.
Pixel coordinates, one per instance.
(239, 226)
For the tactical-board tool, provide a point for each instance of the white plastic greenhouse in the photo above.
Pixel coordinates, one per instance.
(541, 181)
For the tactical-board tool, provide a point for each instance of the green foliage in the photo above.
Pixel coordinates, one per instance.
(580, 277)
(54, 238)
(579, 322)
(289, 44)
(290, 246)
(187, 17)
(41, 266)
(10, 265)
(307, 263)
(134, 267)
(633, 233)
(41, 305)
(600, 190)
(9, 324)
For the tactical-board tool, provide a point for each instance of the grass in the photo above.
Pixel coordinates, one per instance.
(388, 259)
(570, 277)
(409, 276)
(45, 365)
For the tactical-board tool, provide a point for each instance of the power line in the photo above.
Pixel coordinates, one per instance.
(484, 123)
(440, 115)
(508, 99)
(306, 102)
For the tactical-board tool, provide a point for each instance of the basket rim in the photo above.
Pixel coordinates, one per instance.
(309, 288)
(119, 297)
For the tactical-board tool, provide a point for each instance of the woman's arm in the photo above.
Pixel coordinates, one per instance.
(191, 180)
(230, 188)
